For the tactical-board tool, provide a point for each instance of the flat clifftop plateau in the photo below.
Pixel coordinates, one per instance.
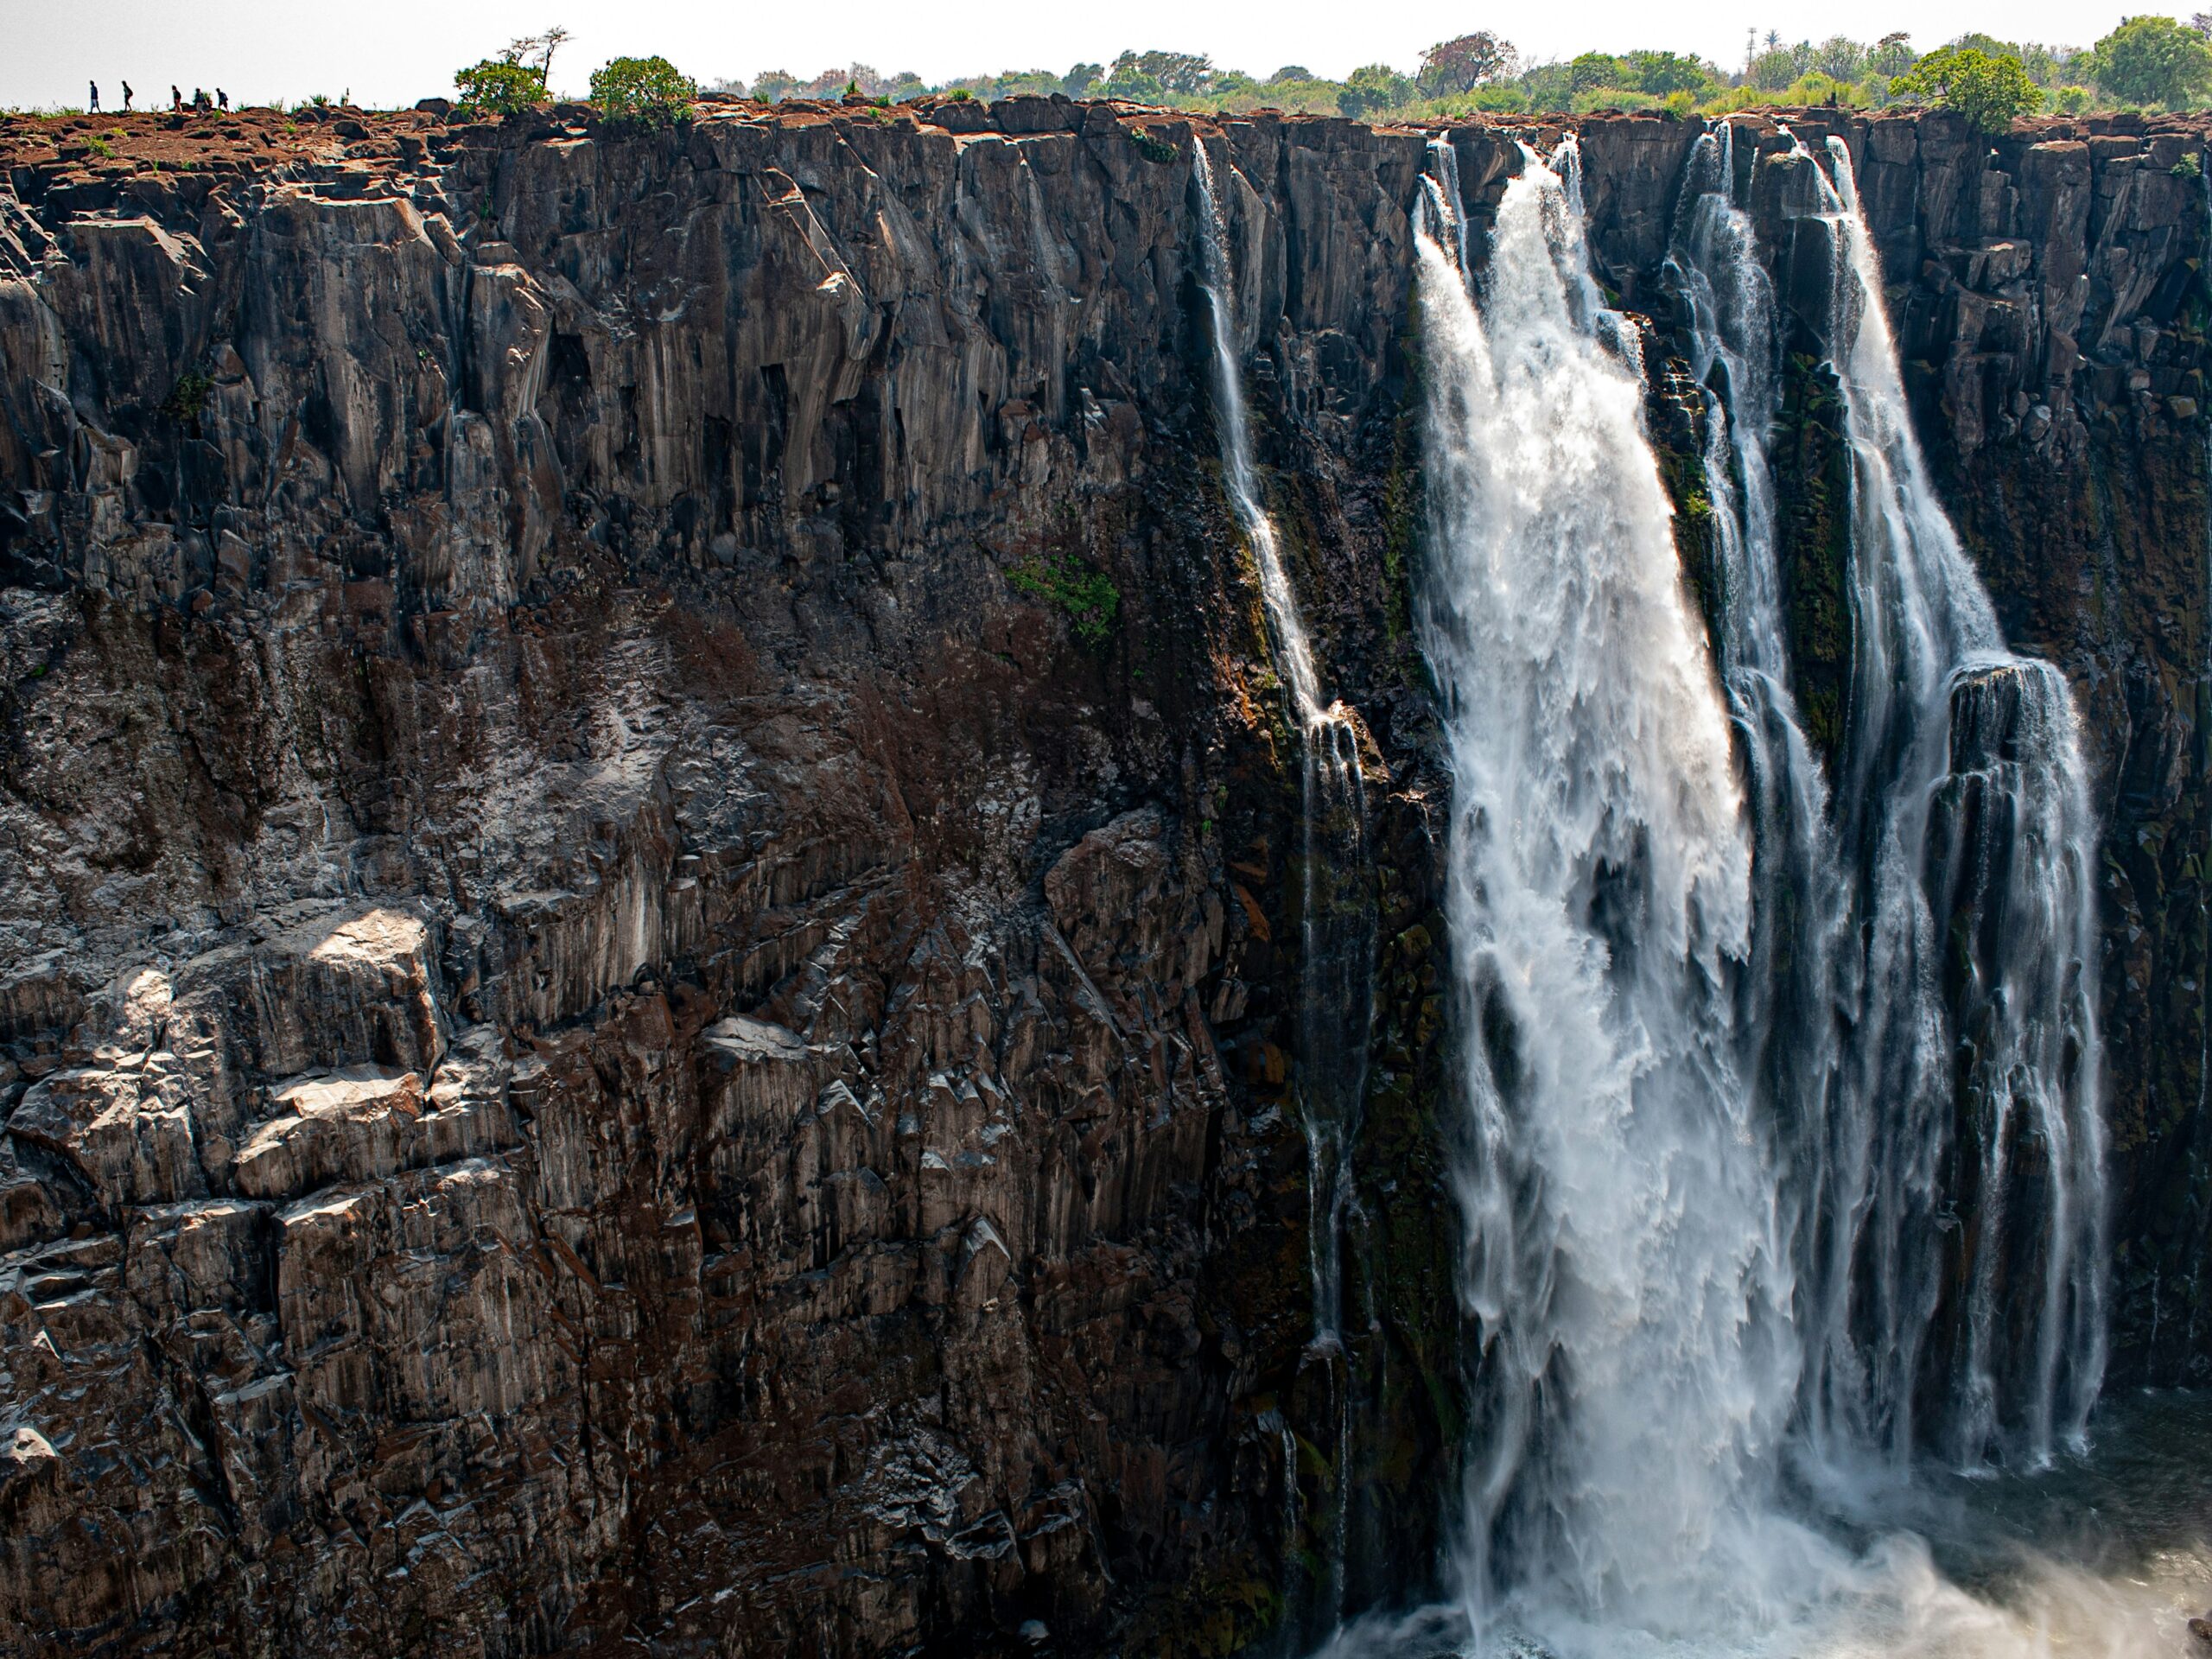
(648, 849)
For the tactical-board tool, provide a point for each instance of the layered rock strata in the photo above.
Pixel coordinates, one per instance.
(647, 903)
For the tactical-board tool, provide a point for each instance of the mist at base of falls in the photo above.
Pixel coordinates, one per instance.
(1732, 1345)
(2104, 1554)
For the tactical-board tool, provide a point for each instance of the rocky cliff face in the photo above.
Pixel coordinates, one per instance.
(648, 876)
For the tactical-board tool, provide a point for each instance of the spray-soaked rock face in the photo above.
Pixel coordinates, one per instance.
(651, 847)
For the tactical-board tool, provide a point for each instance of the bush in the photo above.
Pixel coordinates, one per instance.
(1152, 149)
(642, 89)
(1612, 97)
(1991, 93)
(498, 85)
(1085, 593)
(187, 400)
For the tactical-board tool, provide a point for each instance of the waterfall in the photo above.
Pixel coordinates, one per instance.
(1625, 1265)
(1787, 1010)
(1783, 1146)
(1965, 1207)
(1336, 919)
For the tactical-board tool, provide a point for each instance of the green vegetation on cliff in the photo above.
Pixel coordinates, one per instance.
(1086, 594)
(1991, 91)
(641, 89)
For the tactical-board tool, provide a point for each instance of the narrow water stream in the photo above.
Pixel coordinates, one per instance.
(1337, 916)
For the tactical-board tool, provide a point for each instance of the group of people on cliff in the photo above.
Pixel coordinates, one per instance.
(200, 98)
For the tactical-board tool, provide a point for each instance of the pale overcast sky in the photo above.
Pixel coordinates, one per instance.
(392, 52)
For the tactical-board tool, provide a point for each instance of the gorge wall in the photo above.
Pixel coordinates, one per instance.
(649, 882)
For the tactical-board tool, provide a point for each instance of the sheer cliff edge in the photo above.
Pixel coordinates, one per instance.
(650, 857)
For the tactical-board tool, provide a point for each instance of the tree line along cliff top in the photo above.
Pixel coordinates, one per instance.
(39, 151)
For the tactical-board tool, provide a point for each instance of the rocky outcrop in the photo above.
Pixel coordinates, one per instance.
(647, 932)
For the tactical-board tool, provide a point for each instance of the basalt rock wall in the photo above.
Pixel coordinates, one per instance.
(647, 850)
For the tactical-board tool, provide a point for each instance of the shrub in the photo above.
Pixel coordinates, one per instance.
(1989, 91)
(642, 89)
(498, 86)
(2072, 100)
(1612, 97)
(1077, 587)
(1152, 149)
(188, 401)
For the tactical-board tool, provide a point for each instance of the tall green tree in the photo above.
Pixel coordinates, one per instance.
(1662, 73)
(1990, 92)
(1595, 69)
(1464, 62)
(1186, 73)
(500, 85)
(1840, 59)
(2150, 60)
(1374, 87)
(1892, 55)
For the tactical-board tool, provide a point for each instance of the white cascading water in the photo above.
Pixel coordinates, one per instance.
(1707, 1183)
(1786, 1013)
(1966, 1205)
(1337, 912)
(1625, 1260)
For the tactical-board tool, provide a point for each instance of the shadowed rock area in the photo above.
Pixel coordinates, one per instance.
(648, 847)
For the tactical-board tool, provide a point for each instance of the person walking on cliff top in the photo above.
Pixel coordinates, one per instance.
(222, 100)
(95, 105)
(176, 99)
(126, 96)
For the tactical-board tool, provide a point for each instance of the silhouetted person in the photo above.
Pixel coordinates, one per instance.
(126, 95)
(176, 100)
(223, 98)
(95, 105)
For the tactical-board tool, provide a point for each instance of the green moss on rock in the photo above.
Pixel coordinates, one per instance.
(1811, 476)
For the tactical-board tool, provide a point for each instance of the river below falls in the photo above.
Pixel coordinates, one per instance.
(2106, 1553)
